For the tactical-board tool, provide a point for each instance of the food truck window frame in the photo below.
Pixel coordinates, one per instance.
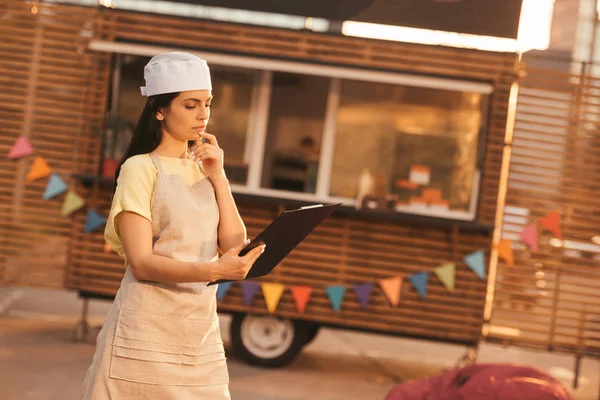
(256, 139)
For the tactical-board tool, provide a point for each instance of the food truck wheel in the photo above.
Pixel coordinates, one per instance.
(312, 329)
(266, 340)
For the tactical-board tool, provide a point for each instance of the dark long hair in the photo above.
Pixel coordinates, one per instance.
(148, 131)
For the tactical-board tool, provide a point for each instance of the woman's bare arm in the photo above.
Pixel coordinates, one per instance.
(136, 235)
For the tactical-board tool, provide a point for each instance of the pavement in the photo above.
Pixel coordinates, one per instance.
(40, 361)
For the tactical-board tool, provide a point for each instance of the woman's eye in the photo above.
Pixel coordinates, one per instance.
(208, 105)
(190, 107)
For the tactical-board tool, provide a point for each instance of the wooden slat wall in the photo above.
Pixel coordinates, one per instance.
(550, 298)
(51, 94)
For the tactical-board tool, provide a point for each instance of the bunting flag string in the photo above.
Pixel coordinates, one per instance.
(391, 288)
(55, 186)
(530, 233)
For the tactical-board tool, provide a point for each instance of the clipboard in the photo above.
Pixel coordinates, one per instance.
(282, 236)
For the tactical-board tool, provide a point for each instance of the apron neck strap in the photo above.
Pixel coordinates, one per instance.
(156, 160)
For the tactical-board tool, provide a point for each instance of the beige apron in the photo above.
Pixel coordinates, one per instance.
(162, 341)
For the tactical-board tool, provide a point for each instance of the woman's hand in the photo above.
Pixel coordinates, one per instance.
(232, 266)
(210, 154)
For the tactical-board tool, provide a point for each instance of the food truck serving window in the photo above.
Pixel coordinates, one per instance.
(368, 139)
(419, 146)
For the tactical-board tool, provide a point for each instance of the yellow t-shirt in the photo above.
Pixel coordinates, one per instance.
(135, 190)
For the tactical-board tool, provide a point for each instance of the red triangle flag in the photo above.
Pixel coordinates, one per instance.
(301, 296)
(552, 222)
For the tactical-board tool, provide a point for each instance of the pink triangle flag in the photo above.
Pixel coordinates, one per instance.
(21, 148)
(529, 235)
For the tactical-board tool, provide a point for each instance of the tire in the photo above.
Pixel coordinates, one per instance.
(312, 329)
(265, 340)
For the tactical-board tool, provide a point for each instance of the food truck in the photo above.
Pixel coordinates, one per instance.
(409, 137)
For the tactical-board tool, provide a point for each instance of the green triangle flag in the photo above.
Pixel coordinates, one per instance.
(446, 274)
(72, 203)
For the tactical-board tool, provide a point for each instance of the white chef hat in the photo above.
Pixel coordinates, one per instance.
(175, 72)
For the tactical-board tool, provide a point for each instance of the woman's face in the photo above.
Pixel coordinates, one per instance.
(187, 115)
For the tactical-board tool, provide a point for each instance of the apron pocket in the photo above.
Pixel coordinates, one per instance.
(167, 351)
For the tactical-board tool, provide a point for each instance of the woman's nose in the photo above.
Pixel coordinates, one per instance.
(203, 114)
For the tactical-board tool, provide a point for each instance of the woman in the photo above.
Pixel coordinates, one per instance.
(171, 208)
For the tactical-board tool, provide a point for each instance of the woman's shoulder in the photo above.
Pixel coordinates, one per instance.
(138, 169)
(140, 161)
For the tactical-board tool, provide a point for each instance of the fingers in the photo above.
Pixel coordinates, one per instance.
(206, 151)
(253, 259)
(236, 250)
(254, 254)
(250, 258)
(211, 138)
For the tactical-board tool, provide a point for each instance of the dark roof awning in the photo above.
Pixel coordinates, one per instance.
(498, 18)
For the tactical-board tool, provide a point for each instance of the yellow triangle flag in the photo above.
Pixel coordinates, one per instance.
(505, 251)
(446, 273)
(391, 287)
(272, 293)
(39, 169)
(72, 203)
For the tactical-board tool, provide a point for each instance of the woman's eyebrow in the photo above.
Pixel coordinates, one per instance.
(198, 101)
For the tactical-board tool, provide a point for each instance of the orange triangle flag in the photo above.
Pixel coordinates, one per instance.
(505, 251)
(391, 287)
(272, 293)
(552, 222)
(39, 169)
(301, 296)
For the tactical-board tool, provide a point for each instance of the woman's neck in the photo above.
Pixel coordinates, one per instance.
(169, 147)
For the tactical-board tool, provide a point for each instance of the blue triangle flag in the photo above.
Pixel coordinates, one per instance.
(55, 187)
(222, 289)
(336, 294)
(476, 261)
(420, 281)
(363, 291)
(94, 221)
